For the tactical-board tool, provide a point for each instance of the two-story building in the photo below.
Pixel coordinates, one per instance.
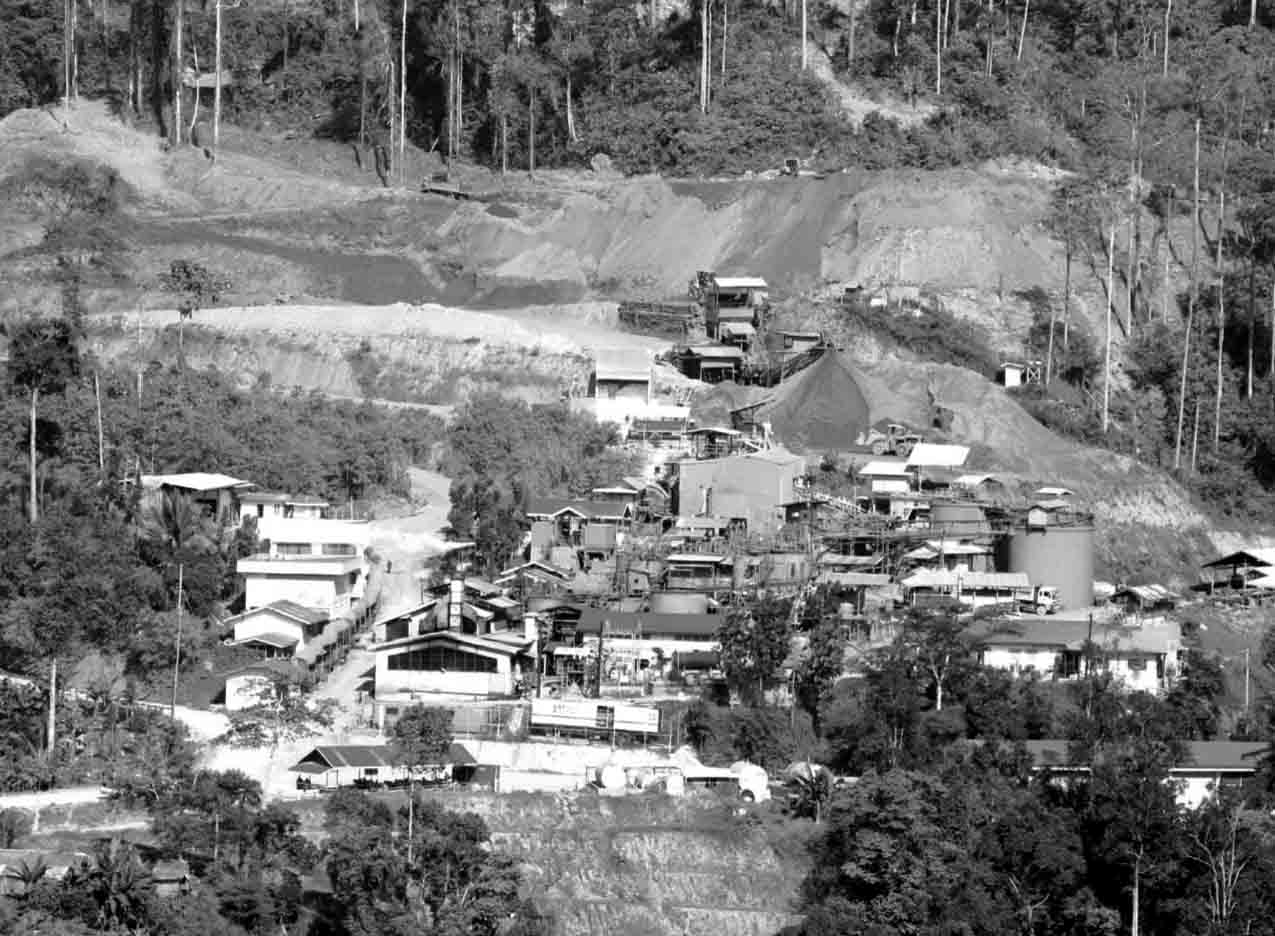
(748, 489)
(429, 652)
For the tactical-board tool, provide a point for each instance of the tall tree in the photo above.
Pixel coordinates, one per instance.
(44, 357)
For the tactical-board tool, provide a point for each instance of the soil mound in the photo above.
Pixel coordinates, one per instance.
(821, 409)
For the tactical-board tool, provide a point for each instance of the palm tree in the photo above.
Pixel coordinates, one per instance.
(175, 524)
(119, 886)
(813, 791)
(29, 874)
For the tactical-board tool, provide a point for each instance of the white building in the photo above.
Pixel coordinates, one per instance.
(327, 583)
(1142, 659)
(1209, 766)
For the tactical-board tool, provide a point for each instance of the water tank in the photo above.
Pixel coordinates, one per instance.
(1061, 556)
(678, 603)
(954, 520)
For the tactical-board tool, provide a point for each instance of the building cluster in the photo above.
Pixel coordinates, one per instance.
(304, 588)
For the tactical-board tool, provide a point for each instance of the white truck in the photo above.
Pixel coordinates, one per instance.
(1040, 599)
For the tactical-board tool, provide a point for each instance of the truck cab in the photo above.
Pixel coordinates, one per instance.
(1041, 600)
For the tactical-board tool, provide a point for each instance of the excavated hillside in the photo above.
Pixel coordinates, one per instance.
(351, 289)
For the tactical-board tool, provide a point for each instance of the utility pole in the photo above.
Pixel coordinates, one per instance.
(101, 443)
(53, 707)
(177, 663)
(1246, 680)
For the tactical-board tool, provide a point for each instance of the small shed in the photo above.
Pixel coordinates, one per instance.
(1010, 374)
(711, 363)
(171, 877)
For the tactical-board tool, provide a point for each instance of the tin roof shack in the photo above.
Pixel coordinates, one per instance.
(749, 489)
(1142, 605)
(646, 636)
(1207, 768)
(620, 385)
(596, 527)
(710, 363)
(730, 302)
(714, 441)
(698, 572)
(1141, 658)
(217, 495)
(1248, 572)
(171, 878)
(335, 765)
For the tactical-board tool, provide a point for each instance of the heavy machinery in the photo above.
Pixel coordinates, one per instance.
(890, 439)
(1040, 599)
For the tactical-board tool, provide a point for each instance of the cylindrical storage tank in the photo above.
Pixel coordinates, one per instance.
(954, 519)
(1061, 556)
(678, 603)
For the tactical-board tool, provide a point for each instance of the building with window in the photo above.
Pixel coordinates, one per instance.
(217, 495)
(464, 643)
(748, 489)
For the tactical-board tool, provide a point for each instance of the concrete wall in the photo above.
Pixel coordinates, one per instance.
(1018, 659)
(313, 591)
(431, 682)
(268, 622)
(742, 487)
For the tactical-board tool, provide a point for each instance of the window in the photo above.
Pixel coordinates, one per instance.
(293, 549)
(438, 659)
(339, 549)
(396, 630)
(606, 718)
(708, 502)
(261, 510)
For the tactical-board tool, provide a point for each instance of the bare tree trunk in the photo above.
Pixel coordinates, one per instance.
(356, 15)
(1192, 297)
(804, 31)
(34, 504)
(725, 33)
(703, 64)
(854, 26)
(1049, 351)
(1195, 437)
(1106, 367)
(217, 78)
(1252, 322)
(1168, 17)
(1270, 366)
(402, 94)
(1022, 33)
(101, 437)
(938, 47)
(531, 132)
(991, 34)
(1252, 13)
(504, 143)
(1221, 333)
(571, 120)
(177, 72)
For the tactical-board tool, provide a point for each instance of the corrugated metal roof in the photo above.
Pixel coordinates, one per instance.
(696, 558)
(1254, 556)
(944, 578)
(689, 625)
(738, 329)
(287, 609)
(1220, 756)
(934, 455)
(885, 468)
(1147, 594)
(716, 351)
(281, 641)
(194, 481)
(739, 282)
